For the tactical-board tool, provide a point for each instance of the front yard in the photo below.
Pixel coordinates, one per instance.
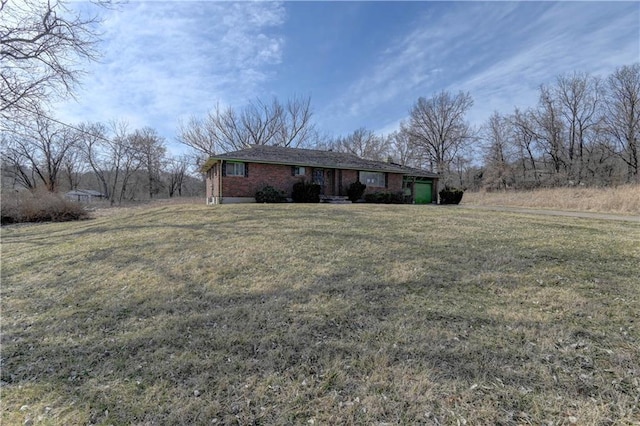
(321, 314)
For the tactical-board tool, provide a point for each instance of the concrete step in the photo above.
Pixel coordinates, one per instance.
(334, 199)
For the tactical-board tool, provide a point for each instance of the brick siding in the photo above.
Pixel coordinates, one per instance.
(260, 175)
(394, 183)
(279, 176)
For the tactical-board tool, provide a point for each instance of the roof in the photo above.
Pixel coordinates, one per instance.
(84, 193)
(313, 158)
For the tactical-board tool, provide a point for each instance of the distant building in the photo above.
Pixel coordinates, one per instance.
(84, 195)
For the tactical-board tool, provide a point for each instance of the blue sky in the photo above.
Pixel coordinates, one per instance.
(363, 64)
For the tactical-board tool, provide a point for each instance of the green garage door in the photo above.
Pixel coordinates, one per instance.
(422, 192)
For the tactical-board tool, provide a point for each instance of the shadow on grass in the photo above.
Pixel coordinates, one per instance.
(336, 337)
(350, 345)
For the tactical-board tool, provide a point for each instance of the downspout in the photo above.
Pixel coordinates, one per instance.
(220, 182)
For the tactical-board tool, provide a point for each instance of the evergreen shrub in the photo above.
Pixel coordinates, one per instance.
(451, 195)
(355, 191)
(269, 194)
(306, 192)
(385, 197)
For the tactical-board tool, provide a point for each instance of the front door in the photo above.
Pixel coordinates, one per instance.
(318, 176)
(329, 182)
(324, 178)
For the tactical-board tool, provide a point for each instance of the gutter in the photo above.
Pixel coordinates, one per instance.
(210, 164)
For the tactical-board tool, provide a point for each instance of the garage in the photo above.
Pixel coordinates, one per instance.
(423, 192)
(420, 189)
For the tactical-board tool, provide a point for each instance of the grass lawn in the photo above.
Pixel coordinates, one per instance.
(321, 314)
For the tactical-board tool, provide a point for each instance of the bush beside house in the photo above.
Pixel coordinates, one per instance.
(451, 196)
(306, 192)
(385, 197)
(269, 194)
(355, 191)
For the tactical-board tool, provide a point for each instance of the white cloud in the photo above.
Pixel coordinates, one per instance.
(593, 38)
(164, 60)
(499, 52)
(421, 62)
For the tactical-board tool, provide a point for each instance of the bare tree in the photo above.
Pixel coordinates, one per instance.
(364, 144)
(125, 156)
(41, 146)
(622, 118)
(548, 127)
(41, 46)
(93, 143)
(200, 135)
(524, 140)
(149, 147)
(112, 154)
(602, 164)
(14, 166)
(296, 127)
(177, 171)
(259, 123)
(497, 134)
(221, 130)
(579, 97)
(438, 128)
(74, 167)
(401, 148)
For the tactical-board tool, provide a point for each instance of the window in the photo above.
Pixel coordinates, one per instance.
(297, 171)
(235, 169)
(375, 179)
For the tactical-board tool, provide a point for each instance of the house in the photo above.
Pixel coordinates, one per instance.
(84, 195)
(234, 177)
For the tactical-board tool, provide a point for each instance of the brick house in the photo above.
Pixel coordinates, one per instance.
(234, 177)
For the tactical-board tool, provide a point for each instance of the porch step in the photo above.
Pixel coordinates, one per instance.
(334, 199)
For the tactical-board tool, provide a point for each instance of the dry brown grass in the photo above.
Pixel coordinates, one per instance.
(39, 206)
(622, 199)
(321, 314)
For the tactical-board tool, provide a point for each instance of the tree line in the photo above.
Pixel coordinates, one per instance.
(122, 163)
(584, 129)
(42, 48)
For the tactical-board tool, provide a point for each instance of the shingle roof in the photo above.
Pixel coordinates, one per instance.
(313, 158)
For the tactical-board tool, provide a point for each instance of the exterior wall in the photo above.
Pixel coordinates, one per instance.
(212, 183)
(260, 175)
(215, 173)
(209, 189)
(394, 184)
(243, 189)
(209, 184)
(348, 177)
